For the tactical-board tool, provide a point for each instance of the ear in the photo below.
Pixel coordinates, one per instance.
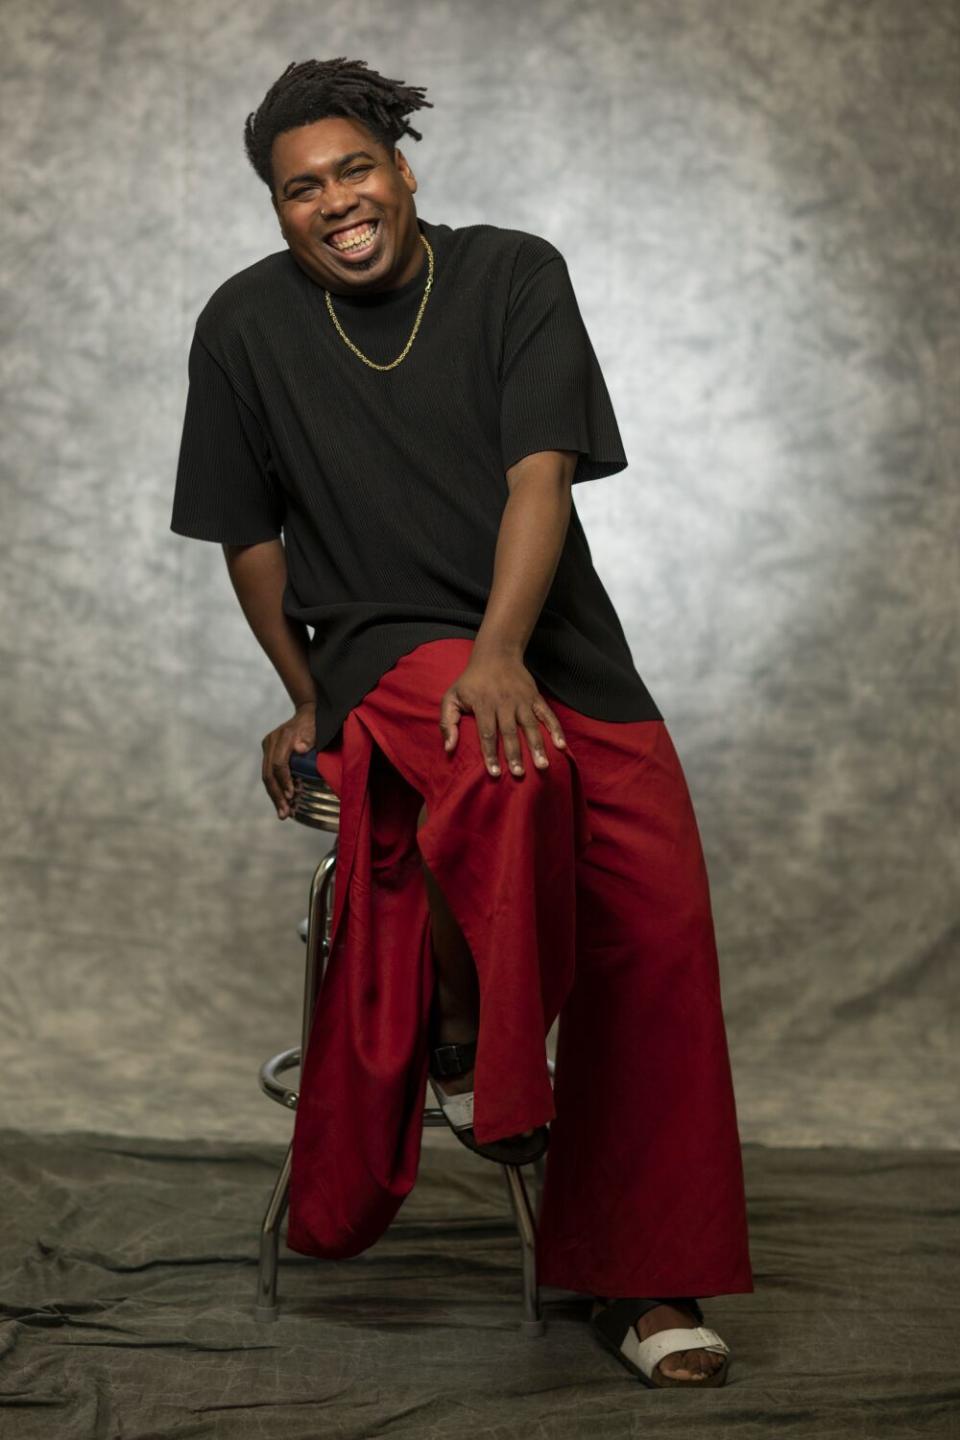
(408, 176)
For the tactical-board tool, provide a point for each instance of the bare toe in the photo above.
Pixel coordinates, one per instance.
(695, 1364)
(687, 1365)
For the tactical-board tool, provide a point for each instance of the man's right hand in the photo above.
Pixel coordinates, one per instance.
(298, 733)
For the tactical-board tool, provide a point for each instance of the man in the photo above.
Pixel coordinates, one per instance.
(409, 406)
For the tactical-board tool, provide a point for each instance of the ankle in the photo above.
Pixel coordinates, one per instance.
(455, 1031)
(455, 1018)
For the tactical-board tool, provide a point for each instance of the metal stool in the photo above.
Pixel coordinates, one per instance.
(314, 803)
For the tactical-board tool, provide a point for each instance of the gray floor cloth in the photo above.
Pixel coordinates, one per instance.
(128, 1278)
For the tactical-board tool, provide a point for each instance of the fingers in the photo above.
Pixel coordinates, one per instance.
(486, 718)
(449, 721)
(511, 739)
(543, 712)
(282, 776)
(298, 734)
(271, 774)
(493, 723)
(528, 717)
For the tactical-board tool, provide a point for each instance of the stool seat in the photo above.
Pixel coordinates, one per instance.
(314, 802)
(305, 764)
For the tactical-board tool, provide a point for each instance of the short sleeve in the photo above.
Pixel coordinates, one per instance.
(224, 487)
(552, 392)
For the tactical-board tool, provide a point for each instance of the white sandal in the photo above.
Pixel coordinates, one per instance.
(450, 1059)
(615, 1327)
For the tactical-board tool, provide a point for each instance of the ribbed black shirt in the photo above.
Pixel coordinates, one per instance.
(388, 487)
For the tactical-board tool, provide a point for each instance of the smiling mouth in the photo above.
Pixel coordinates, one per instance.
(356, 243)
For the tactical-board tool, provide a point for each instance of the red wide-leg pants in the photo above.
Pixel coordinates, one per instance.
(582, 892)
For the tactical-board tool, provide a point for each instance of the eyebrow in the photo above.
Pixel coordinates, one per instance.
(334, 164)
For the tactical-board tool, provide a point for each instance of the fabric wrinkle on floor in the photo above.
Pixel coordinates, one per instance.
(129, 1276)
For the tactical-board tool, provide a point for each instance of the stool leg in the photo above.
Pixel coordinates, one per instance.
(269, 1240)
(539, 1170)
(319, 916)
(319, 912)
(532, 1323)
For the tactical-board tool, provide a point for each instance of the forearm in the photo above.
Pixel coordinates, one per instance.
(259, 576)
(529, 544)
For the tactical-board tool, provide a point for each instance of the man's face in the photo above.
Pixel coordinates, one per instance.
(337, 167)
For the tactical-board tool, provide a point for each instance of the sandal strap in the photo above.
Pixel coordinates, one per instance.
(648, 1353)
(457, 1109)
(617, 1322)
(452, 1059)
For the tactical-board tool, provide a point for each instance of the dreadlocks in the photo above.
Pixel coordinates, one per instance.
(314, 89)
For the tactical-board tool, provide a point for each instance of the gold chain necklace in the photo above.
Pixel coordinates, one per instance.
(416, 324)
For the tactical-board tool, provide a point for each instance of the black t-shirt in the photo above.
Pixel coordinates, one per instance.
(388, 487)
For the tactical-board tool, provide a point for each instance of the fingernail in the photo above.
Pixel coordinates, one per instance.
(542, 761)
(516, 766)
(494, 769)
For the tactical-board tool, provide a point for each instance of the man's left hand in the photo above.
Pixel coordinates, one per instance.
(503, 696)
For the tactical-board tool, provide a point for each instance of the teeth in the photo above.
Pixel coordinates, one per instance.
(358, 241)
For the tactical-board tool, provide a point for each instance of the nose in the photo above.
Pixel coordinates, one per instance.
(338, 200)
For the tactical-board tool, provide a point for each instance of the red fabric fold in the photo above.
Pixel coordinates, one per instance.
(582, 892)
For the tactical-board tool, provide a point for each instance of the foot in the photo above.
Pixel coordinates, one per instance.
(692, 1365)
(456, 1034)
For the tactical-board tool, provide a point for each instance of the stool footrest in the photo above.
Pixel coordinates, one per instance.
(273, 1088)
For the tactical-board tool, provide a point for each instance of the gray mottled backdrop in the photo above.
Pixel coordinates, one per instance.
(758, 205)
